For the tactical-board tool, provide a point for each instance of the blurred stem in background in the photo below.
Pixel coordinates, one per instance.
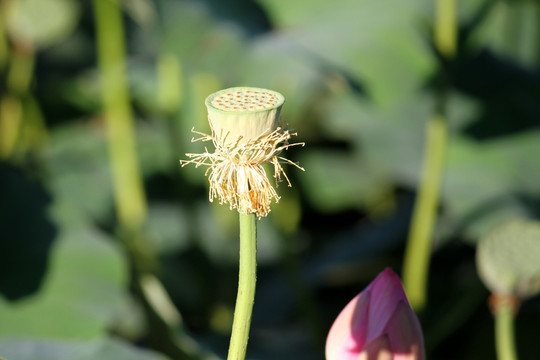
(418, 251)
(22, 125)
(128, 187)
(4, 47)
(504, 308)
(129, 193)
(445, 32)
(10, 123)
(20, 65)
(247, 276)
(169, 92)
(22, 68)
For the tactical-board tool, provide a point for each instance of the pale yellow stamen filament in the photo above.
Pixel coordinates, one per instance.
(237, 176)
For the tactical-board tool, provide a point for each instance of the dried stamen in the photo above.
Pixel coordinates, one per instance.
(237, 176)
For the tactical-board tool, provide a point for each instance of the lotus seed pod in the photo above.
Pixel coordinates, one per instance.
(508, 259)
(243, 113)
(245, 136)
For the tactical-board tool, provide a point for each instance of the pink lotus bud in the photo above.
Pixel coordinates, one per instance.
(377, 324)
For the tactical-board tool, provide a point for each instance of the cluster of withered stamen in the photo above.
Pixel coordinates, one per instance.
(236, 172)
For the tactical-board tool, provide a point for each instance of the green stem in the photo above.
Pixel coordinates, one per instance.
(246, 287)
(21, 70)
(10, 124)
(504, 310)
(4, 47)
(129, 193)
(128, 188)
(169, 92)
(19, 78)
(445, 32)
(418, 251)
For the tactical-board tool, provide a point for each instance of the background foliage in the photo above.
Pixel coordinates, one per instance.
(360, 80)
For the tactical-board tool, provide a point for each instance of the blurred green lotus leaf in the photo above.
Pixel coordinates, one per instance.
(336, 181)
(79, 168)
(510, 29)
(168, 227)
(287, 213)
(287, 68)
(382, 49)
(219, 242)
(141, 11)
(102, 349)
(81, 294)
(507, 258)
(41, 22)
(203, 44)
(486, 181)
(391, 139)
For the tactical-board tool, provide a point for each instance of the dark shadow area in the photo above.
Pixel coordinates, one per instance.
(509, 94)
(246, 13)
(27, 234)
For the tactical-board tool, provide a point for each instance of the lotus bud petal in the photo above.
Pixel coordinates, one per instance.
(378, 349)
(377, 324)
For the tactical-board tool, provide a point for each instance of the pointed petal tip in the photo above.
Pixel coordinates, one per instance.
(382, 309)
(387, 284)
(390, 274)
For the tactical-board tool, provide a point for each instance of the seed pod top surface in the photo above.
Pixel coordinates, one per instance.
(243, 112)
(507, 259)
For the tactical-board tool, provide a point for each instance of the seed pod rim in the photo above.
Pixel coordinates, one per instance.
(211, 97)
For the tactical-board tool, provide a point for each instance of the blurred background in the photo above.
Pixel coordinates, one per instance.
(109, 248)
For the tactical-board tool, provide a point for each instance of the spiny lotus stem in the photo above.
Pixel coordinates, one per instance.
(245, 136)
